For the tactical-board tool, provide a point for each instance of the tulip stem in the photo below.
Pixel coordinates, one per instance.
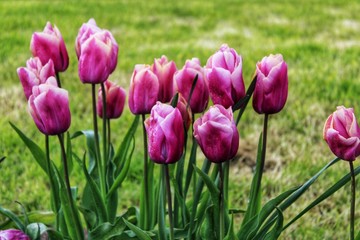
(168, 191)
(352, 206)
(109, 134)
(105, 147)
(146, 177)
(221, 202)
(97, 146)
(58, 79)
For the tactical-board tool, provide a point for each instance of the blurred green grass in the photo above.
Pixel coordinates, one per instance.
(320, 40)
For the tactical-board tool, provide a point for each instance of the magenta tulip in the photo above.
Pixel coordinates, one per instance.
(271, 87)
(184, 79)
(86, 30)
(164, 70)
(224, 77)
(216, 134)
(49, 44)
(144, 90)
(34, 74)
(115, 100)
(98, 58)
(13, 234)
(166, 135)
(342, 133)
(49, 107)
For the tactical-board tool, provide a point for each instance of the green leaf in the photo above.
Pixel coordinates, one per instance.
(123, 171)
(90, 143)
(231, 234)
(357, 236)
(48, 218)
(244, 101)
(96, 196)
(19, 224)
(2, 159)
(255, 191)
(276, 231)
(161, 208)
(334, 188)
(208, 228)
(123, 149)
(142, 235)
(107, 230)
(35, 150)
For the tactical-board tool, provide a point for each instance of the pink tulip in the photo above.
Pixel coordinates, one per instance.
(115, 100)
(342, 133)
(13, 234)
(98, 58)
(166, 135)
(34, 74)
(216, 134)
(185, 111)
(144, 90)
(224, 77)
(164, 70)
(49, 107)
(184, 79)
(49, 44)
(271, 87)
(86, 30)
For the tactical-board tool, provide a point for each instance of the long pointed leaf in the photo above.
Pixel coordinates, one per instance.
(276, 231)
(19, 224)
(142, 235)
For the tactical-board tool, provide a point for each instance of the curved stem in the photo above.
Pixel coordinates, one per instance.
(146, 176)
(352, 207)
(168, 191)
(221, 202)
(97, 146)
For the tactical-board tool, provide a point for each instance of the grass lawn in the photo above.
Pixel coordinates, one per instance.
(320, 41)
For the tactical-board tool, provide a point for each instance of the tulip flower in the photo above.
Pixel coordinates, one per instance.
(224, 77)
(49, 44)
(342, 133)
(13, 234)
(271, 88)
(216, 134)
(144, 90)
(49, 107)
(86, 30)
(34, 74)
(115, 100)
(164, 70)
(184, 79)
(98, 58)
(185, 111)
(165, 132)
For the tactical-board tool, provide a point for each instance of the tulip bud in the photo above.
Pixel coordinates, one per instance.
(34, 74)
(184, 79)
(216, 134)
(49, 44)
(164, 70)
(224, 77)
(115, 100)
(342, 134)
(49, 107)
(166, 135)
(271, 88)
(185, 111)
(86, 30)
(98, 58)
(144, 90)
(13, 234)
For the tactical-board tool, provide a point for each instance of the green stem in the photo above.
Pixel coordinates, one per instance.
(263, 153)
(168, 191)
(58, 79)
(108, 135)
(104, 119)
(352, 206)
(97, 146)
(146, 177)
(192, 161)
(221, 202)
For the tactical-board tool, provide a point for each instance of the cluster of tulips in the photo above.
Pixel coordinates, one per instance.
(172, 97)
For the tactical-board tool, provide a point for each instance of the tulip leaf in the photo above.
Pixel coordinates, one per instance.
(35, 150)
(90, 143)
(192, 88)
(175, 100)
(161, 207)
(122, 151)
(255, 191)
(357, 236)
(107, 230)
(142, 235)
(2, 159)
(231, 235)
(208, 228)
(19, 224)
(334, 188)
(242, 103)
(123, 171)
(190, 169)
(47, 218)
(276, 231)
